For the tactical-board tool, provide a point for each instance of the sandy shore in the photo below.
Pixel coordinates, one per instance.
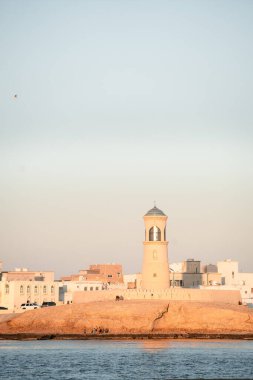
(137, 319)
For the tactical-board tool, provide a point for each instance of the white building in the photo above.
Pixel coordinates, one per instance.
(229, 272)
(176, 267)
(67, 288)
(232, 278)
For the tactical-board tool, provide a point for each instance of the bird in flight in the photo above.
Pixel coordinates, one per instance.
(15, 96)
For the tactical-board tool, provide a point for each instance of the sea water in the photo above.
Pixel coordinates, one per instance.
(133, 359)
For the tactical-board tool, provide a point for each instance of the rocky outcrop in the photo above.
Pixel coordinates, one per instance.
(131, 317)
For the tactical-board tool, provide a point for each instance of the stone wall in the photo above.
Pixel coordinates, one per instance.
(202, 295)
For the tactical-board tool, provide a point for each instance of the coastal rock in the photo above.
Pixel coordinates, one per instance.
(132, 317)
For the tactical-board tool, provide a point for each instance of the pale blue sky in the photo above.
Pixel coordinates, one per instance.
(121, 103)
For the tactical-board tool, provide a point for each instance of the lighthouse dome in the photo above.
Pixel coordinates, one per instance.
(155, 211)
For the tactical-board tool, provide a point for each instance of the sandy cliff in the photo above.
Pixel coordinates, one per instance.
(132, 317)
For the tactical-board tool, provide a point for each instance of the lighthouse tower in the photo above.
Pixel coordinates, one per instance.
(155, 268)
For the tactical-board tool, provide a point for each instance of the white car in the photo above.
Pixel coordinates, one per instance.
(29, 306)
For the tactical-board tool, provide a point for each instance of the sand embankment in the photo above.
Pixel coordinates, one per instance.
(129, 318)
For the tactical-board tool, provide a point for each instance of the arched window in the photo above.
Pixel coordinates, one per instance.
(52, 289)
(154, 234)
(28, 289)
(7, 289)
(21, 289)
(44, 289)
(36, 289)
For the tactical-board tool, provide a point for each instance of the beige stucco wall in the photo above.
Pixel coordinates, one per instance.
(14, 293)
(211, 278)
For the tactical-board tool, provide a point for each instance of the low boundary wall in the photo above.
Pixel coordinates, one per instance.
(201, 295)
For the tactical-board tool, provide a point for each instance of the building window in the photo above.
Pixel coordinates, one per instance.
(28, 289)
(154, 234)
(36, 289)
(233, 274)
(52, 289)
(44, 289)
(85, 288)
(119, 274)
(21, 289)
(109, 275)
(97, 288)
(164, 233)
(154, 275)
(91, 288)
(7, 289)
(154, 255)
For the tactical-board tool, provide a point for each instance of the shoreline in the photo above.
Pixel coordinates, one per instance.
(147, 336)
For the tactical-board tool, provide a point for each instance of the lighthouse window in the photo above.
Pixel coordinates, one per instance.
(154, 234)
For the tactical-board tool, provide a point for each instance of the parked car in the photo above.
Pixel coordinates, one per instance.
(29, 306)
(49, 303)
(3, 308)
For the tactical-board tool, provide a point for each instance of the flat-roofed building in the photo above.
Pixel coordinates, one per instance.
(186, 275)
(69, 287)
(107, 273)
(24, 286)
(14, 293)
(229, 272)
